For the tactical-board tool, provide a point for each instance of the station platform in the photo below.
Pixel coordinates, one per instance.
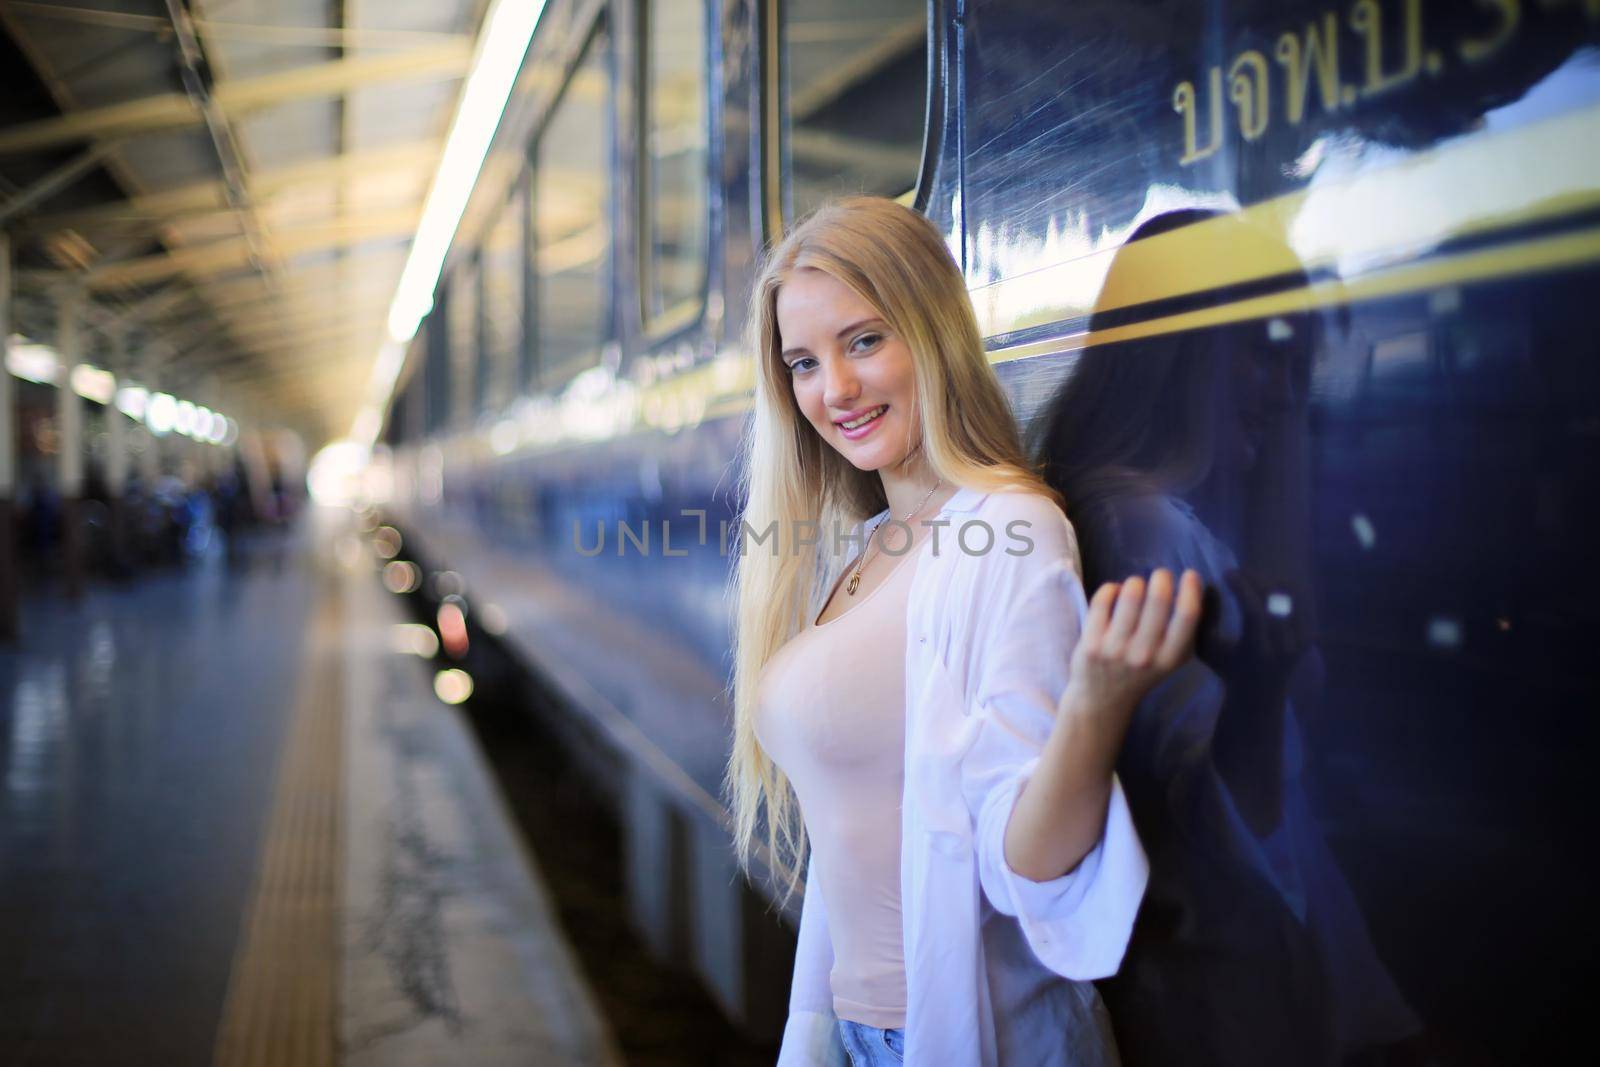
(238, 827)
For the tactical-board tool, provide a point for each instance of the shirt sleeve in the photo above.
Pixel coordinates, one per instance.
(811, 1034)
(1079, 924)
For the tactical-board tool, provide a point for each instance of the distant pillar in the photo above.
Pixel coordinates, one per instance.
(147, 538)
(8, 459)
(69, 430)
(117, 434)
(150, 458)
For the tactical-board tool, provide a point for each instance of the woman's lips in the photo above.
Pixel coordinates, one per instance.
(865, 428)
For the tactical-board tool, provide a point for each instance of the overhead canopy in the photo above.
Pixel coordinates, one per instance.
(234, 181)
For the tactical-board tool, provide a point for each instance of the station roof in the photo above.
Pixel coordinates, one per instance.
(235, 182)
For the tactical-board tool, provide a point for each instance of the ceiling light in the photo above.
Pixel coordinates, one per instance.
(132, 400)
(183, 418)
(502, 45)
(161, 413)
(34, 363)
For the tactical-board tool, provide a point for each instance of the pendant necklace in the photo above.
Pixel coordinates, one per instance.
(855, 579)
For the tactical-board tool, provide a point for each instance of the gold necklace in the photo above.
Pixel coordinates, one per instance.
(855, 579)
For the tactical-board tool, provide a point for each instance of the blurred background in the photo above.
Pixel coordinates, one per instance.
(373, 380)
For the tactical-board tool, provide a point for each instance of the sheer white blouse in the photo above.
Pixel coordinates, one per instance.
(998, 966)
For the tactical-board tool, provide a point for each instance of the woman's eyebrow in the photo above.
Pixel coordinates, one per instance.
(854, 326)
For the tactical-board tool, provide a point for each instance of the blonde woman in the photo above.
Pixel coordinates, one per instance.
(939, 725)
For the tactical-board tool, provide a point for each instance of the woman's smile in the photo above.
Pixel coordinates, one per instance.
(856, 429)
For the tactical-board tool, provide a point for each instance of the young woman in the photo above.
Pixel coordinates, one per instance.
(943, 731)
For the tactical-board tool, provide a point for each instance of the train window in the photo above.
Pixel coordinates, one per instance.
(672, 162)
(854, 99)
(572, 233)
(503, 279)
(462, 320)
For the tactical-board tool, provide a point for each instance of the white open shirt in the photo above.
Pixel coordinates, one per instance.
(989, 642)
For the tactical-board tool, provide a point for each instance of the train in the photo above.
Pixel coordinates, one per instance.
(1297, 293)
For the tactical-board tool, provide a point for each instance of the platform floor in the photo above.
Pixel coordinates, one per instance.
(237, 827)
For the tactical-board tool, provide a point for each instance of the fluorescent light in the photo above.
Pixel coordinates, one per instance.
(368, 422)
(161, 413)
(92, 383)
(31, 362)
(502, 46)
(132, 401)
(391, 357)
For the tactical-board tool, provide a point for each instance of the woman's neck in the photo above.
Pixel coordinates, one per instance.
(906, 491)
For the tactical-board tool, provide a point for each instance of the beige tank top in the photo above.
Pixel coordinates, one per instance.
(830, 711)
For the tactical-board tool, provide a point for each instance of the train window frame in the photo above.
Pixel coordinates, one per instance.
(689, 313)
(599, 30)
(526, 379)
(507, 383)
(465, 283)
(774, 173)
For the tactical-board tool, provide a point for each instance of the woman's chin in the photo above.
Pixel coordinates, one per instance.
(874, 460)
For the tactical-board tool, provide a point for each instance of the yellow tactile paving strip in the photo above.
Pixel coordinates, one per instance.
(281, 1007)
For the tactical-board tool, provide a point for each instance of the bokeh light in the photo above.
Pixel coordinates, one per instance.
(401, 576)
(453, 627)
(453, 686)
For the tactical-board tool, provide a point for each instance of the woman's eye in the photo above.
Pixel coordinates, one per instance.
(797, 365)
(866, 341)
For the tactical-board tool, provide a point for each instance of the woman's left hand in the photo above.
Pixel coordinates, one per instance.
(1135, 635)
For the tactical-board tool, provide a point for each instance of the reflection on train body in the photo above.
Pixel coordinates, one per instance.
(1373, 737)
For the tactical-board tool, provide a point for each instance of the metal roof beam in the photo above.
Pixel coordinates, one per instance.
(300, 36)
(61, 178)
(268, 327)
(197, 83)
(209, 196)
(240, 97)
(227, 255)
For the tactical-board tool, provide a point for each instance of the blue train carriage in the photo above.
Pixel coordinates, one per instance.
(1289, 292)
(1296, 294)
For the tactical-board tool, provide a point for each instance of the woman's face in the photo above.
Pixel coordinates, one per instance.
(844, 362)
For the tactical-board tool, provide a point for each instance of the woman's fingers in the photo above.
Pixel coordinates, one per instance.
(1099, 617)
(1135, 626)
(1179, 637)
(1125, 617)
(1146, 640)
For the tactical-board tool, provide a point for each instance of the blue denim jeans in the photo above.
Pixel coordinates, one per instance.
(870, 1046)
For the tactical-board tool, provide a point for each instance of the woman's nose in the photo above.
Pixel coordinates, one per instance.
(840, 385)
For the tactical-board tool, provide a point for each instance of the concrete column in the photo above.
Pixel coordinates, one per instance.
(8, 458)
(146, 540)
(150, 459)
(69, 429)
(215, 454)
(118, 431)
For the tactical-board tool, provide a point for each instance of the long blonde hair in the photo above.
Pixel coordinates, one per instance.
(895, 260)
